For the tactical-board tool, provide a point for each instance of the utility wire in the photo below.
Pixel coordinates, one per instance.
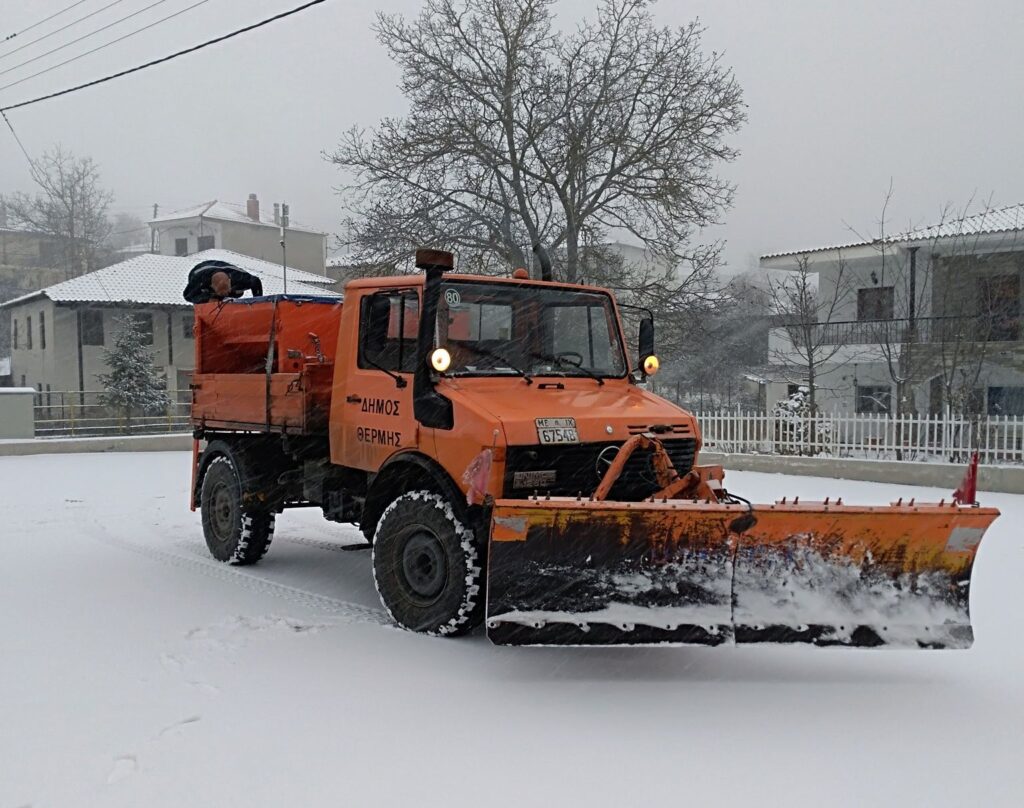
(37, 24)
(86, 36)
(18, 141)
(58, 30)
(163, 59)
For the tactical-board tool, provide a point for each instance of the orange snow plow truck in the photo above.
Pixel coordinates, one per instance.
(493, 440)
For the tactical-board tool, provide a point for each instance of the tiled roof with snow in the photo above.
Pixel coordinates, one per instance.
(227, 212)
(997, 220)
(989, 222)
(160, 279)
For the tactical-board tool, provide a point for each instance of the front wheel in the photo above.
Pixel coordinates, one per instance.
(427, 566)
(235, 531)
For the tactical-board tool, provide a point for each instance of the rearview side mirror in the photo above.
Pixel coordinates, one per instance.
(646, 340)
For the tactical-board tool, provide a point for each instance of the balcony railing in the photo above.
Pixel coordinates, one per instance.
(936, 330)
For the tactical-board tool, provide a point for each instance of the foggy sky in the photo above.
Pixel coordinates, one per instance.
(842, 98)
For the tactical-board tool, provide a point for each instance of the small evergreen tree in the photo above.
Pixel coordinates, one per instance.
(132, 384)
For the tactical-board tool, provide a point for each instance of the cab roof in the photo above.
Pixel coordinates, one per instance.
(417, 279)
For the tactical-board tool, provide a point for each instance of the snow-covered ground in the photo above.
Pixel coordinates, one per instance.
(135, 671)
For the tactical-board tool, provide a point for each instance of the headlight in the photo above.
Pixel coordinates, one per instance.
(440, 360)
(651, 365)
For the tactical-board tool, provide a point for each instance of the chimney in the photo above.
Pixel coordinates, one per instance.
(252, 208)
(277, 213)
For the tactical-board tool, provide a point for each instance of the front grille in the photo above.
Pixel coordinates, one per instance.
(575, 472)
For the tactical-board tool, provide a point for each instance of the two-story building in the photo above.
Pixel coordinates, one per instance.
(59, 333)
(931, 317)
(244, 229)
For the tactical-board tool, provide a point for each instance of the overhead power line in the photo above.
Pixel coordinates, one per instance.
(71, 24)
(37, 24)
(98, 47)
(163, 59)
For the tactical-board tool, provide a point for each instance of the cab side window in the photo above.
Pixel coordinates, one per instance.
(389, 322)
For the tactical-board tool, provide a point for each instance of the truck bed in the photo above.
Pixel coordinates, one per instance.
(265, 364)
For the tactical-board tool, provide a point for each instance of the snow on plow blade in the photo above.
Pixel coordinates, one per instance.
(579, 572)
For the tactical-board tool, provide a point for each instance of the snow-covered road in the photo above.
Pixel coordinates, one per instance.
(135, 671)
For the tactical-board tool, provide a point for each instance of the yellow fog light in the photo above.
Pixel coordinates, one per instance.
(440, 360)
(651, 365)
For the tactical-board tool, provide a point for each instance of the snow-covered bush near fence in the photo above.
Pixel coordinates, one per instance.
(797, 429)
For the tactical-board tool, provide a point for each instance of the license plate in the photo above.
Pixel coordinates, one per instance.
(557, 430)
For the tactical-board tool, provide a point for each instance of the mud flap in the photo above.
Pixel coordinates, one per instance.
(571, 572)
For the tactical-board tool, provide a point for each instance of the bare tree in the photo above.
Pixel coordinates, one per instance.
(805, 310)
(520, 139)
(71, 207)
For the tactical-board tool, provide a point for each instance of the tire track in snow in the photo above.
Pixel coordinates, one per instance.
(349, 612)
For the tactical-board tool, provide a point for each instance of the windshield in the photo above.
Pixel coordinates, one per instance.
(492, 329)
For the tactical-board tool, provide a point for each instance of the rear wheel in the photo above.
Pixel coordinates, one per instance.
(236, 532)
(427, 566)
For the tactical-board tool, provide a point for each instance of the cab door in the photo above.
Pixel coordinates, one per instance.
(376, 416)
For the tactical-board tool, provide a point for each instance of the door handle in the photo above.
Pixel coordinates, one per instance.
(353, 399)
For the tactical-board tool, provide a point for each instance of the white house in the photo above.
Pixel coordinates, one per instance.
(244, 229)
(932, 315)
(58, 334)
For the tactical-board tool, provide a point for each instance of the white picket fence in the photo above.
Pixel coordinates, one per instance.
(998, 439)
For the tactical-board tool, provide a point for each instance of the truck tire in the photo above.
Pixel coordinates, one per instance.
(235, 532)
(427, 566)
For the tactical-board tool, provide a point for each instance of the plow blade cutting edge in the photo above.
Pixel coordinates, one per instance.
(578, 572)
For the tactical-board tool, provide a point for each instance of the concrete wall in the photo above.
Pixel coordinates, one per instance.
(135, 443)
(306, 251)
(16, 416)
(1006, 479)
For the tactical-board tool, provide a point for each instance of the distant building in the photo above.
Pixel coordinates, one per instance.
(946, 299)
(243, 229)
(58, 334)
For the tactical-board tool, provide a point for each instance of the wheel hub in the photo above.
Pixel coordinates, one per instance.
(222, 511)
(424, 564)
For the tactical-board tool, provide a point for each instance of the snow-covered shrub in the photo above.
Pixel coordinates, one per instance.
(133, 386)
(797, 429)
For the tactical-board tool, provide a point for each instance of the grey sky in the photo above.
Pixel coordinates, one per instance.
(842, 97)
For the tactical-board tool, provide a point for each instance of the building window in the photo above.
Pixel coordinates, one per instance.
(187, 323)
(22, 379)
(28, 332)
(14, 333)
(145, 323)
(181, 246)
(42, 330)
(876, 303)
(92, 327)
(205, 243)
(1006, 401)
(876, 398)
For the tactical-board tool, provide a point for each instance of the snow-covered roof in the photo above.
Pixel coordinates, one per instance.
(997, 220)
(159, 280)
(988, 222)
(227, 212)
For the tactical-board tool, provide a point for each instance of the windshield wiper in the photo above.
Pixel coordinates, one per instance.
(495, 355)
(565, 363)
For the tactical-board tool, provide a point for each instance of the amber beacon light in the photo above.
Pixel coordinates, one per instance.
(651, 365)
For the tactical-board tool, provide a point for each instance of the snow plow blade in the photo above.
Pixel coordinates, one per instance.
(567, 571)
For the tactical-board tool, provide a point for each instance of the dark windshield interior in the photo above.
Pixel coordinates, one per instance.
(492, 329)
